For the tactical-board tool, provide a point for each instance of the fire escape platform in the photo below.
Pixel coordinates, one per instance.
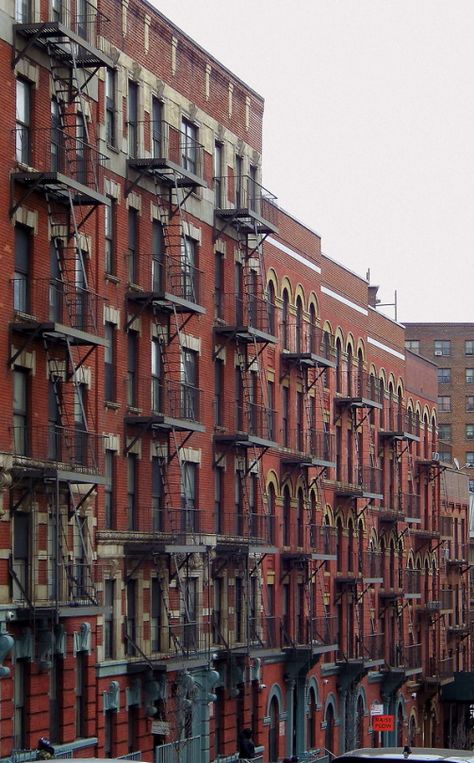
(60, 187)
(167, 172)
(26, 468)
(245, 440)
(356, 402)
(247, 220)
(307, 359)
(306, 460)
(355, 491)
(56, 36)
(399, 435)
(164, 423)
(56, 332)
(165, 301)
(246, 333)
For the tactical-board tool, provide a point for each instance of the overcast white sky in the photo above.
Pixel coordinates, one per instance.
(368, 131)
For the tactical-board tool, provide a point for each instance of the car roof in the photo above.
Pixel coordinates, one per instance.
(421, 754)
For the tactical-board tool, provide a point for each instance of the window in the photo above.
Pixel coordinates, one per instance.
(80, 428)
(132, 490)
(218, 391)
(271, 409)
(57, 8)
(22, 267)
(156, 620)
(158, 257)
(444, 376)
(285, 412)
(444, 403)
(109, 624)
(54, 421)
(156, 132)
(471, 486)
(110, 108)
(109, 371)
(469, 402)
(189, 392)
(219, 285)
(469, 375)
(132, 244)
(110, 212)
(253, 186)
(444, 432)
(218, 498)
(82, 9)
(189, 146)
(131, 621)
(189, 497)
(22, 11)
(442, 347)
(413, 345)
(109, 490)
(132, 348)
(470, 458)
(445, 456)
(239, 179)
(218, 174)
(20, 411)
(57, 138)
(132, 118)
(469, 347)
(155, 375)
(23, 120)
(157, 494)
(20, 693)
(188, 268)
(469, 432)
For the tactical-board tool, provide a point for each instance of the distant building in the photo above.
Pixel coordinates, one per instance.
(451, 347)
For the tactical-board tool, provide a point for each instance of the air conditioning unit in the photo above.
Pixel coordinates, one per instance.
(438, 352)
(435, 456)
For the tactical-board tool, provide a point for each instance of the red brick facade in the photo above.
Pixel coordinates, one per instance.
(221, 506)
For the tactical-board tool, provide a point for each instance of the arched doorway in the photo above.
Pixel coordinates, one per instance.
(400, 741)
(329, 732)
(274, 731)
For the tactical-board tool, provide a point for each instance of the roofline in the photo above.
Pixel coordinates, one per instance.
(203, 50)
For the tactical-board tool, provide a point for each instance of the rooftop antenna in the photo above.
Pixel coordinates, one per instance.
(393, 304)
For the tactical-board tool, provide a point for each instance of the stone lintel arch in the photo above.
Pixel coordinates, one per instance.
(313, 300)
(285, 285)
(276, 693)
(350, 342)
(312, 684)
(272, 479)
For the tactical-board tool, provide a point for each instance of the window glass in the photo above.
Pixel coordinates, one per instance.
(413, 345)
(444, 403)
(469, 347)
(469, 431)
(444, 375)
(442, 347)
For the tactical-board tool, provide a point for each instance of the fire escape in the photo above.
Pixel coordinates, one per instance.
(243, 329)
(165, 285)
(57, 454)
(401, 593)
(358, 482)
(307, 357)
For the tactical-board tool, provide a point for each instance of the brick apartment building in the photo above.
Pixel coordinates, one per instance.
(220, 507)
(450, 346)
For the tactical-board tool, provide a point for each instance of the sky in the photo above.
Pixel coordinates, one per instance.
(368, 131)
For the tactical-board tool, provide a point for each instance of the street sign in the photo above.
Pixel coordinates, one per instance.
(376, 708)
(383, 723)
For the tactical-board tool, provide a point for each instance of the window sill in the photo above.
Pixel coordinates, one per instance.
(112, 405)
(110, 277)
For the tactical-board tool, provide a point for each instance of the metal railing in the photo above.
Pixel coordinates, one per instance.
(356, 384)
(323, 539)
(242, 192)
(364, 478)
(254, 419)
(169, 275)
(251, 526)
(411, 505)
(76, 449)
(303, 337)
(50, 299)
(52, 150)
(169, 398)
(158, 140)
(245, 311)
(186, 751)
(89, 24)
(318, 444)
(412, 581)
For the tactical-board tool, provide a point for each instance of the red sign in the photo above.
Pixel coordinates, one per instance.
(383, 722)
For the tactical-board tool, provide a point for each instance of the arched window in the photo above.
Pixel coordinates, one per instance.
(340, 541)
(312, 331)
(338, 365)
(300, 518)
(392, 565)
(286, 515)
(312, 522)
(299, 326)
(350, 546)
(360, 374)
(412, 731)
(271, 309)
(382, 401)
(271, 513)
(350, 377)
(360, 546)
(284, 319)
